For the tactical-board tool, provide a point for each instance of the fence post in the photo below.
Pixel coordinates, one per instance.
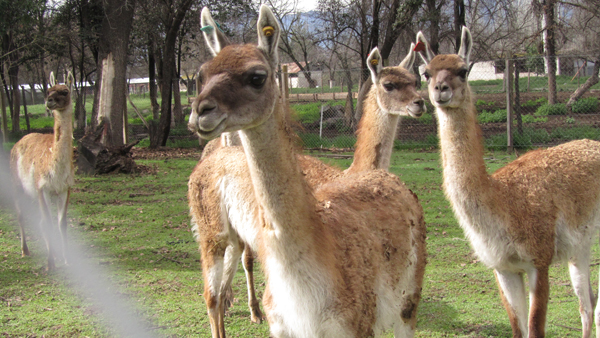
(285, 82)
(509, 104)
(321, 124)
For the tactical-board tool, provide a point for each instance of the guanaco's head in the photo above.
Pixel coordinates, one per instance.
(395, 87)
(239, 90)
(446, 74)
(59, 95)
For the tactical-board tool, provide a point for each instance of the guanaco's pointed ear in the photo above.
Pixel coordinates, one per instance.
(374, 63)
(70, 81)
(52, 79)
(466, 42)
(409, 60)
(423, 46)
(268, 34)
(214, 37)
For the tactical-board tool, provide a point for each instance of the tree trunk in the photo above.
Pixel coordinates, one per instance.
(177, 109)
(550, 52)
(364, 90)
(4, 116)
(403, 12)
(25, 110)
(152, 89)
(167, 70)
(113, 46)
(459, 22)
(592, 80)
(517, 105)
(13, 73)
(96, 102)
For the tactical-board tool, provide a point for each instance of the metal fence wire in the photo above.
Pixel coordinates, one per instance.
(325, 101)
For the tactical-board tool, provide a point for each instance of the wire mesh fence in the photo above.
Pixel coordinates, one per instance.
(325, 104)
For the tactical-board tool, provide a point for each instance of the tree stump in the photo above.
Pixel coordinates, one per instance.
(95, 158)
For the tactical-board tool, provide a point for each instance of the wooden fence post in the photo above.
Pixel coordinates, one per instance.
(509, 104)
(285, 82)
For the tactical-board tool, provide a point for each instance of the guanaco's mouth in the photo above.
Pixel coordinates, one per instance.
(210, 132)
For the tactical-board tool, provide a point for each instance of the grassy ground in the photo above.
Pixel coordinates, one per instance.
(137, 227)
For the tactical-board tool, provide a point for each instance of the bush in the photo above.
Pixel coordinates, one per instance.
(488, 117)
(307, 113)
(481, 102)
(534, 103)
(575, 133)
(529, 138)
(587, 105)
(532, 119)
(551, 109)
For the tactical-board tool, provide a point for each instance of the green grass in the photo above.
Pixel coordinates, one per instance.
(144, 241)
(142, 103)
(536, 83)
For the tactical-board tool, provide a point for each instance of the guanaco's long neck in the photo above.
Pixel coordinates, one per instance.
(62, 149)
(376, 134)
(466, 181)
(280, 188)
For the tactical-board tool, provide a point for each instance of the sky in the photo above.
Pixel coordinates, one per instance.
(307, 5)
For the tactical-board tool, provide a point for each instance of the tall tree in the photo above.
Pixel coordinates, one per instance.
(297, 41)
(548, 7)
(17, 35)
(112, 67)
(173, 13)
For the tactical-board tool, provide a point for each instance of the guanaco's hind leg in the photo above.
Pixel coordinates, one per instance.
(514, 298)
(212, 268)
(62, 202)
(219, 267)
(256, 315)
(47, 228)
(21, 219)
(540, 291)
(579, 269)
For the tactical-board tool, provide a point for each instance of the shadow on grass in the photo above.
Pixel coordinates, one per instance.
(439, 316)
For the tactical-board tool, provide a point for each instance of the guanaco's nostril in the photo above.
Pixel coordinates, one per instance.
(418, 102)
(442, 87)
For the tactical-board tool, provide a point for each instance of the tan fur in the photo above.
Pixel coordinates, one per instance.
(339, 245)
(42, 168)
(540, 208)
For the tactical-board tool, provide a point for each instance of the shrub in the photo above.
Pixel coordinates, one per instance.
(532, 119)
(588, 105)
(481, 102)
(529, 138)
(575, 133)
(533, 103)
(307, 113)
(551, 109)
(488, 117)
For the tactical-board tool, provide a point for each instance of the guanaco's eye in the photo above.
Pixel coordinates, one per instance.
(463, 73)
(64, 92)
(389, 86)
(258, 80)
(426, 75)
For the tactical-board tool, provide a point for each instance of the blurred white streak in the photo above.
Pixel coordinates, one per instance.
(89, 278)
